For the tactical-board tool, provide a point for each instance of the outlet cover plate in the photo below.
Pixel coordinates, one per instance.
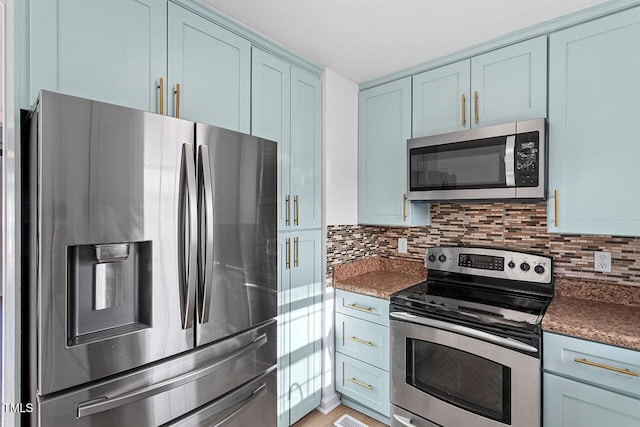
(602, 261)
(402, 245)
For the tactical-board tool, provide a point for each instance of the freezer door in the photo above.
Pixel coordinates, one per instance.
(238, 232)
(108, 291)
(220, 384)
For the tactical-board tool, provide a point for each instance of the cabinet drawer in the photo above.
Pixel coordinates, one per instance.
(363, 340)
(601, 364)
(363, 383)
(363, 307)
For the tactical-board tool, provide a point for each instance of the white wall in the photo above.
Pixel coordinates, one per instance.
(340, 145)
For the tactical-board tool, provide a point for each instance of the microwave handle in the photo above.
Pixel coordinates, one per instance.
(509, 161)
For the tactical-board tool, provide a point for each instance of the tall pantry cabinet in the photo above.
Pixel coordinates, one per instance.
(286, 108)
(180, 58)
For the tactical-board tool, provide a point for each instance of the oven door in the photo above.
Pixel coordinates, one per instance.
(453, 379)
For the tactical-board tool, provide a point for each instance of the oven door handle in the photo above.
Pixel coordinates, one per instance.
(463, 330)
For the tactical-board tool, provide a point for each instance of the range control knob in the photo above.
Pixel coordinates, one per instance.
(525, 266)
(512, 264)
(442, 258)
(432, 258)
(538, 269)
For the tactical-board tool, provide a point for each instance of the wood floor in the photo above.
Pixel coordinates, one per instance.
(316, 419)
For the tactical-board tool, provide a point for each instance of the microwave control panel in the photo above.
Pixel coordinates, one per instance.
(527, 161)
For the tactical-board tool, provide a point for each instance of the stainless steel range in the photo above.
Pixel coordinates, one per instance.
(465, 344)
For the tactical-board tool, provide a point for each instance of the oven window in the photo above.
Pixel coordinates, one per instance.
(461, 165)
(462, 379)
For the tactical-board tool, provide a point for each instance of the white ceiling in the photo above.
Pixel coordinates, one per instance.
(366, 39)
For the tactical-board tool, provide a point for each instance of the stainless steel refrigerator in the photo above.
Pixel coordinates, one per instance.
(150, 248)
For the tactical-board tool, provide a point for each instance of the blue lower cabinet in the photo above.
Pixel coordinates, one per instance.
(589, 384)
(299, 324)
(569, 403)
(363, 384)
(362, 353)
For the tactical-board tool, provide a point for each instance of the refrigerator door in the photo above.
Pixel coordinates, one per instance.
(238, 232)
(221, 384)
(113, 204)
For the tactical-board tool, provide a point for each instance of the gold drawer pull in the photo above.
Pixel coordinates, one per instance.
(359, 341)
(355, 381)
(357, 307)
(610, 368)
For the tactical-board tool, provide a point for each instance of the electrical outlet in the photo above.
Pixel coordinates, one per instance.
(602, 261)
(402, 246)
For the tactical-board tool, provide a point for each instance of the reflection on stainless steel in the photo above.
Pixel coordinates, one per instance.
(136, 255)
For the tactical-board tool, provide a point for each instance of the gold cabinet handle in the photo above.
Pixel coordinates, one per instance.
(296, 202)
(610, 368)
(161, 95)
(475, 102)
(288, 253)
(404, 207)
(555, 201)
(295, 252)
(288, 216)
(359, 341)
(358, 307)
(355, 381)
(177, 93)
(464, 110)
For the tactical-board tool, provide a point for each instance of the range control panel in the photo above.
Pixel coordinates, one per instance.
(489, 262)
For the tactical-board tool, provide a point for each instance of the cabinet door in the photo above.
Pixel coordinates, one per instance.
(306, 150)
(570, 403)
(271, 118)
(111, 51)
(305, 324)
(593, 116)
(511, 83)
(441, 100)
(384, 125)
(284, 331)
(212, 67)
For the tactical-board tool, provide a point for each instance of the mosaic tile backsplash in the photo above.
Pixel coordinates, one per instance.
(519, 226)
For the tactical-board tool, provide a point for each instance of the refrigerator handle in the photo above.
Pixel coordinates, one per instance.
(105, 403)
(257, 393)
(205, 249)
(187, 235)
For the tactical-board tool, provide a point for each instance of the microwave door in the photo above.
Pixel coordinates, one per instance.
(468, 170)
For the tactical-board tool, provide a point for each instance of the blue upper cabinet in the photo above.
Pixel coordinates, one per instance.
(212, 67)
(593, 115)
(271, 118)
(285, 107)
(510, 84)
(113, 51)
(500, 86)
(384, 125)
(306, 150)
(441, 101)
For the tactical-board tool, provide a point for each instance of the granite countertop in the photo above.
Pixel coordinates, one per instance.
(378, 277)
(602, 312)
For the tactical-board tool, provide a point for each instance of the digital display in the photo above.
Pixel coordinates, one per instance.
(484, 262)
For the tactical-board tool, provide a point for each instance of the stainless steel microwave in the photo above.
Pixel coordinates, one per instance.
(503, 162)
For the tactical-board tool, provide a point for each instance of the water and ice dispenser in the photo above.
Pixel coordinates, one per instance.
(109, 288)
